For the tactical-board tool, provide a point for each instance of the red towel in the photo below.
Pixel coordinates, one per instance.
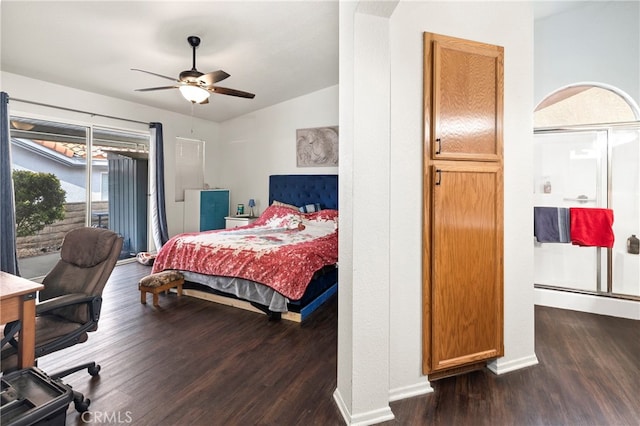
(591, 227)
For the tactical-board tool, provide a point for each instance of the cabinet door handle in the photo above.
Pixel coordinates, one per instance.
(438, 146)
(438, 176)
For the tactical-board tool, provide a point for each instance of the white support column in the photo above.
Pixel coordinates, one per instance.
(363, 331)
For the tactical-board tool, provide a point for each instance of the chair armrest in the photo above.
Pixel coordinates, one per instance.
(63, 301)
(94, 303)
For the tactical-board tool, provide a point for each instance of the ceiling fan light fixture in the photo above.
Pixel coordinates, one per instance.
(195, 86)
(194, 94)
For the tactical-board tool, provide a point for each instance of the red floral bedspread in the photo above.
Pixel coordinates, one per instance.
(282, 249)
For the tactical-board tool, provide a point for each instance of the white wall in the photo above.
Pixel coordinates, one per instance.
(263, 143)
(596, 42)
(509, 24)
(174, 125)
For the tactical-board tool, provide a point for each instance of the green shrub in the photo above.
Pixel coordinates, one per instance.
(39, 201)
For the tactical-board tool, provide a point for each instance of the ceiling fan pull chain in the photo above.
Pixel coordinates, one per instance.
(192, 105)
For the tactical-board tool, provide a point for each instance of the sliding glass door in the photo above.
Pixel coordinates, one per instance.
(120, 185)
(68, 176)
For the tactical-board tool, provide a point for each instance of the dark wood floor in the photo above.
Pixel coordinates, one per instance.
(198, 363)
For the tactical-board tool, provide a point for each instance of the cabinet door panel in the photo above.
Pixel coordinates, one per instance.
(467, 100)
(463, 203)
(214, 206)
(466, 284)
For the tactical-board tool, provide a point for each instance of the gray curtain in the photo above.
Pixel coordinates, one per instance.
(8, 256)
(158, 205)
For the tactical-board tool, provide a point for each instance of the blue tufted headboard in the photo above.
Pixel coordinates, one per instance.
(300, 190)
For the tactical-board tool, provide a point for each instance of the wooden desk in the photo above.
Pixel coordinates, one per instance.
(18, 302)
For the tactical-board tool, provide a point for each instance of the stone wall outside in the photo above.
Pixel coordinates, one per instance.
(50, 238)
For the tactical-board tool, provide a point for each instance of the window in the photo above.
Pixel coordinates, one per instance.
(585, 104)
(189, 165)
(102, 174)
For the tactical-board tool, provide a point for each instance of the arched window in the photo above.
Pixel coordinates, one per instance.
(585, 103)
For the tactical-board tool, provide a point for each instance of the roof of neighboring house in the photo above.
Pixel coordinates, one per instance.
(69, 149)
(67, 142)
(73, 154)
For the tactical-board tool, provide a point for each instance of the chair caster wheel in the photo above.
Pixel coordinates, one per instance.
(82, 406)
(94, 370)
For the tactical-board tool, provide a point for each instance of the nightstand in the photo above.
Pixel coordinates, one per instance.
(234, 221)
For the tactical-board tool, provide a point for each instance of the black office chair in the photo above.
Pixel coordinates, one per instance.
(69, 305)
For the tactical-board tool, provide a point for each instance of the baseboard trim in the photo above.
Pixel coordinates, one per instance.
(499, 366)
(620, 308)
(417, 389)
(342, 407)
(362, 419)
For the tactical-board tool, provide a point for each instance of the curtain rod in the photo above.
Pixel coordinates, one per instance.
(95, 114)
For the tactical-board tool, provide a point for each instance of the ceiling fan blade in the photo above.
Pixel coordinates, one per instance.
(213, 77)
(153, 73)
(232, 92)
(150, 89)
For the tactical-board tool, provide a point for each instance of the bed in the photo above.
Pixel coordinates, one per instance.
(236, 266)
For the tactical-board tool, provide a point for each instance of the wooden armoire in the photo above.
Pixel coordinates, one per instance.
(463, 205)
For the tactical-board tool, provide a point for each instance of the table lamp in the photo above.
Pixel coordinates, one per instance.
(252, 204)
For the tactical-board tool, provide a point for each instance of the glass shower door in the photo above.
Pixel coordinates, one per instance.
(625, 202)
(570, 171)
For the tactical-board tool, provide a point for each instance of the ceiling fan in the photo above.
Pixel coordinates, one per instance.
(195, 86)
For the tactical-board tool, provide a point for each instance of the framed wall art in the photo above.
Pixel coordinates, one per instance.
(317, 147)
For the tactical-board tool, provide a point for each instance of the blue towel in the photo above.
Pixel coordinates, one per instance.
(564, 224)
(551, 224)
